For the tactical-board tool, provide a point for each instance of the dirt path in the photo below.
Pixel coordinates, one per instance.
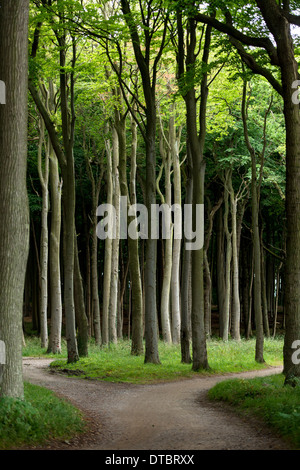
(169, 416)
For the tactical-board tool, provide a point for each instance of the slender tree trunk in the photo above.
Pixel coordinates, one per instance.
(185, 333)
(207, 273)
(175, 282)
(151, 336)
(107, 254)
(196, 143)
(80, 311)
(68, 198)
(264, 295)
(96, 185)
(44, 250)
(148, 76)
(220, 269)
(256, 240)
(54, 257)
(137, 345)
(167, 268)
(236, 306)
(228, 235)
(113, 301)
(14, 228)
(276, 299)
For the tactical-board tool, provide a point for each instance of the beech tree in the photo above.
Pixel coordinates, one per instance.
(154, 22)
(14, 230)
(277, 19)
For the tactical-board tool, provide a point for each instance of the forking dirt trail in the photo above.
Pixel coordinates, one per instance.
(165, 416)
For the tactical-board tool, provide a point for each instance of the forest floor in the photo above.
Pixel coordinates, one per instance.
(165, 416)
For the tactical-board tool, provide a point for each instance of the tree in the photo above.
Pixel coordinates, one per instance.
(44, 180)
(14, 230)
(187, 41)
(65, 155)
(277, 19)
(154, 23)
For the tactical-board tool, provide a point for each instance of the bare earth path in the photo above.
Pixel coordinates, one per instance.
(169, 416)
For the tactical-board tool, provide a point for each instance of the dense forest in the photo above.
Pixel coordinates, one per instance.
(179, 104)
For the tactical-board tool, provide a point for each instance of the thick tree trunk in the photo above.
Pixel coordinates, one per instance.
(14, 228)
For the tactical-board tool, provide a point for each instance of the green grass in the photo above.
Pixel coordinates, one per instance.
(116, 364)
(268, 399)
(36, 419)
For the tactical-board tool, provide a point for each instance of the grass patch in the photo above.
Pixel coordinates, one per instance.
(36, 419)
(115, 363)
(278, 405)
(32, 348)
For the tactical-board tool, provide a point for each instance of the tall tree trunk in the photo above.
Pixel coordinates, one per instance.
(113, 301)
(167, 267)
(207, 273)
(196, 143)
(148, 70)
(95, 189)
(220, 269)
(175, 282)
(44, 250)
(236, 306)
(151, 336)
(54, 257)
(186, 274)
(66, 160)
(107, 252)
(264, 293)
(228, 236)
(80, 311)
(289, 73)
(256, 238)
(14, 228)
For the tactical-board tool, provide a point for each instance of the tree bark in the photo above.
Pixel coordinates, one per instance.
(175, 281)
(185, 333)
(113, 301)
(107, 252)
(14, 228)
(44, 250)
(54, 257)
(256, 240)
(168, 244)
